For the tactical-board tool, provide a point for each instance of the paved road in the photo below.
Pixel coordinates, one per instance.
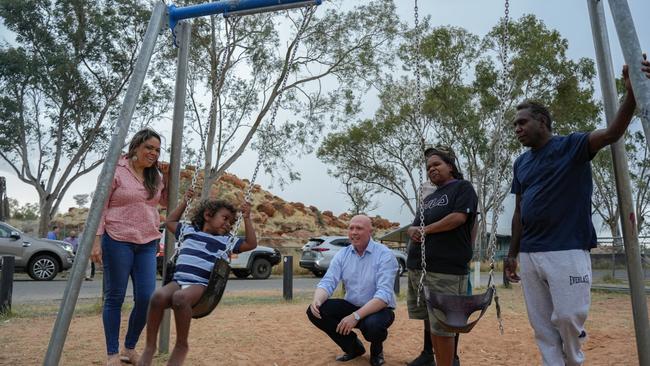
(26, 290)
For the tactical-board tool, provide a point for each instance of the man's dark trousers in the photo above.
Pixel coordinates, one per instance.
(374, 327)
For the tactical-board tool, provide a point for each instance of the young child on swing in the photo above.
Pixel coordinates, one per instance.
(204, 241)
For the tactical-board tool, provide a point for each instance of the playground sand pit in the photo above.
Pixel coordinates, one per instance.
(259, 329)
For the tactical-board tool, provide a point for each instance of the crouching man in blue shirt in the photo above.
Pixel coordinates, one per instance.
(368, 271)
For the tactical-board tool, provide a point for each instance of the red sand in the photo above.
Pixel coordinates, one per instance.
(279, 333)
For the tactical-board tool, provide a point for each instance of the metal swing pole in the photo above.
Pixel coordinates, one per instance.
(622, 175)
(184, 31)
(60, 331)
(629, 41)
(234, 8)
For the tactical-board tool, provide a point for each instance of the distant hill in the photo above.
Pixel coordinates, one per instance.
(276, 220)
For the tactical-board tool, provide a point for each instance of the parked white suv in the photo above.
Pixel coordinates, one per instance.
(257, 262)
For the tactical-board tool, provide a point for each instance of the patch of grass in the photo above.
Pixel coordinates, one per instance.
(270, 298)
(296, 254)
(609, 279)
(84, 307)
(401, 296)
(92, 307)
(339, 292)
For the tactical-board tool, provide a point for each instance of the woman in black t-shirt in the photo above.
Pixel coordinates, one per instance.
(449, 215)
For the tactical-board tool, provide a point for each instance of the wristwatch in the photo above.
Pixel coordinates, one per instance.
(356, 316)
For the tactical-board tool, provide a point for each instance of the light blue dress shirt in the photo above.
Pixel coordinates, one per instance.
(365, 277)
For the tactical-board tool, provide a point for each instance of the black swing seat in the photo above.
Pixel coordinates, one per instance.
(458, 308)
(213, 293)
(216, 287)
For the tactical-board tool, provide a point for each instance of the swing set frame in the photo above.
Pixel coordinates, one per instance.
(629, 43)
(458, 308)
(162, 16)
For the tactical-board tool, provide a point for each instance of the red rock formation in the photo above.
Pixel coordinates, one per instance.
(296, 223)
(267, 209)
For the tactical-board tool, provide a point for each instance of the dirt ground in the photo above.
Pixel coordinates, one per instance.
(260, 329)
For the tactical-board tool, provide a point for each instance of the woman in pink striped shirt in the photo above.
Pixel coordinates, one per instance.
(127, 241)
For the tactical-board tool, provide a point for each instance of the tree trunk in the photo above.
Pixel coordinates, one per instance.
(47, 210)
(44, 218)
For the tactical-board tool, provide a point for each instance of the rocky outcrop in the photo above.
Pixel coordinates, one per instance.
(273, 217)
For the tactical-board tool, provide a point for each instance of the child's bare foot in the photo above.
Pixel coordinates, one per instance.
(147, 356)
(178, 355)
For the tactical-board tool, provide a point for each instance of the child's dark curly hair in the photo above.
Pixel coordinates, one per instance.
(211, 207)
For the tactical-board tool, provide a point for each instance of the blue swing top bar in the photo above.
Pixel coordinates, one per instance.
(233, 8)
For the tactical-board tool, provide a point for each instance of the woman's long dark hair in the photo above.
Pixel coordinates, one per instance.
(151, 174)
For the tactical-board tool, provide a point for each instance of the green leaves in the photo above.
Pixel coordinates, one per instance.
(341, 53)
(61, 86)
(462, 107)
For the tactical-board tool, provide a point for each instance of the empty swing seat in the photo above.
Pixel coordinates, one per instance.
(457, 309)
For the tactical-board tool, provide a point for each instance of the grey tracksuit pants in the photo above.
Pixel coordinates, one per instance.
(557, 289)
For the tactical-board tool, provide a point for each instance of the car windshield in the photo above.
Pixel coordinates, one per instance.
(9, 227)
(314, 242)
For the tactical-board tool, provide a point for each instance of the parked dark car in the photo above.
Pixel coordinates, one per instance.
(42, 259)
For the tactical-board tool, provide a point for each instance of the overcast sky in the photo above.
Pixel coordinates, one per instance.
(569, 17)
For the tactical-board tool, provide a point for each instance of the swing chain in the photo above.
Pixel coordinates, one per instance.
(230, 35)
(420, 133)
(307, 15)
(502, 91)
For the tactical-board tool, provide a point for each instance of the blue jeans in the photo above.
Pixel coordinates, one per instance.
(121, 260)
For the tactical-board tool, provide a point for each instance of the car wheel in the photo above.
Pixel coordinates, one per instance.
(401, 267)
(240, 273)
(43, 268)
(261, 268)
(319, 273)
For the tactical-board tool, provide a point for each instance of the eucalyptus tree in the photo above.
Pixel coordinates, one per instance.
(240, 65)
(605, 201)
(360, 196)
(639, 158)
(463, 107)
(61, 84)
(470, 114)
